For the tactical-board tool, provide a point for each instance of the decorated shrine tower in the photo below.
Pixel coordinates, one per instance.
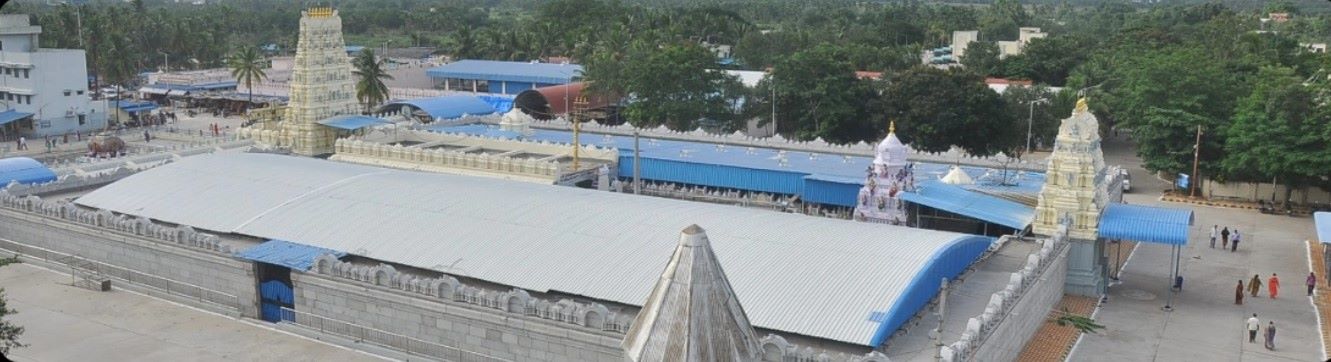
(1076, 192)
(890, 175)
(321, 84)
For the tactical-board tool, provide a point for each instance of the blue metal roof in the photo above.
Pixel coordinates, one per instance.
(217, 85)
(292, 255)
(449, 107)
(948, 262)
(1322, 220)
(1146, 224)
(491, 70)
(12, 115)
(352, 121)
(957, 200)
(24, 170)
(354, 48)
(136, 106)
(500, 103)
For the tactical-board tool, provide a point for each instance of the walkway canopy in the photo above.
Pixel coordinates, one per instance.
(12, 115)
(448, 107)
(957, 200)
(352, 122)
(288, 254)
(1145, 223)
(24, 170)
(1322, 219)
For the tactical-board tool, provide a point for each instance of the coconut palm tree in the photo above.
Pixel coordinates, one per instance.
(370, 76)
(246, 67)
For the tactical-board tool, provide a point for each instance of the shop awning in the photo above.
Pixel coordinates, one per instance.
(12, 115)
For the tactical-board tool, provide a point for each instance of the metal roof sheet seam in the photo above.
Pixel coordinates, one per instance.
(812, 276)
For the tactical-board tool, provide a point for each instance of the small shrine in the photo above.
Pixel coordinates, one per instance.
(890, 175)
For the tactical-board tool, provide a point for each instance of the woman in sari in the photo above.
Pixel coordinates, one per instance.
(1271, 336)
(1238, 293)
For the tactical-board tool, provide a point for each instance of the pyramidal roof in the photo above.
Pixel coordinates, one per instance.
(692, 313)
(957, 176)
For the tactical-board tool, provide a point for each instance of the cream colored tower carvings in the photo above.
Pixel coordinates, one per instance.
(321, 85)
(1075, 185)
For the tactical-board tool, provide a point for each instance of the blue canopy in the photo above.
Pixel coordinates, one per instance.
(134, 107)
(1146, 224)
(352, 122)
(24, 170)
(1322, 220)
(449, 107)
(957, 200)
(12, 115)
(501, 71)
(292, 255)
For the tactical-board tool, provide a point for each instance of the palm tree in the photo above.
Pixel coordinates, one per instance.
(370, 76)
(245, 66)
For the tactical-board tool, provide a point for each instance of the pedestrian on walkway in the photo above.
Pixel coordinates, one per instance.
(22, 143)
(1215, 231)
(1312, 283)
(1238, 293)
(1255, 285)
(1271, 335)
(146, 138)
(1224, 238)
(1254, 325)
(1273, 285)
(1235, 244)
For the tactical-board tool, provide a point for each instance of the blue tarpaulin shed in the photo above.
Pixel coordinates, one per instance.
(24, 170)
(1322, 220)
(352, 122)
(449, 107)
(292, 255)
(1145, 223)
(12, 115)
(957, 200)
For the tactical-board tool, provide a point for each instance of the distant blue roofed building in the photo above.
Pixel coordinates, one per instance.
(490, 76)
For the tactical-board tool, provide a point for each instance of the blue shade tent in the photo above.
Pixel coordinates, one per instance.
(292, 255)
(12, 115)
(449, 107)
(1146, 224)
(957, 200)
(24, 170)
(352, 122)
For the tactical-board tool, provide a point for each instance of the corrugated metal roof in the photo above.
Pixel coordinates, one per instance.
(449, 107)
(1322, 220)
(352, 122)
(1145, 223)
(957, 200)
(292, 255)
(24, 170)
(812, 276)
(493, 70)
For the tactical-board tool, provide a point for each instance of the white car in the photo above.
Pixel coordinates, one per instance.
(1127, 179)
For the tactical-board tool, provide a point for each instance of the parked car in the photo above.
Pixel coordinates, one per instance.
(1127, 179)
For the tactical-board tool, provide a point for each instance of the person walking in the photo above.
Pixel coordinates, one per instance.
(1254, 325)
(1255, 285)
(1224, 238)
(1238, 293)
(1273, 285)
(1235, 244)
(1312, 283)
(1271, 335)
(146, 138)
(1215, 231)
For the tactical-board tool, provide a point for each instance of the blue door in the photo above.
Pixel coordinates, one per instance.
(273, 295)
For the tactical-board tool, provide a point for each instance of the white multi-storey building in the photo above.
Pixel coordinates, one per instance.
(43, 91)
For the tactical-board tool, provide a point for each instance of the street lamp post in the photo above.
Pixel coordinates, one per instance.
(166, 62)
(1030, 121)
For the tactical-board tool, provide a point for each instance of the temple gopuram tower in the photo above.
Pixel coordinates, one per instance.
(321, 84)
(889, 176)
(1076, 192)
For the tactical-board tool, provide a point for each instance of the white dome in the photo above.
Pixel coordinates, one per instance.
(957, 176)
(891, 151)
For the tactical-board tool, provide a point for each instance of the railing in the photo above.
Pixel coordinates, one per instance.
(160, 284)
(381, 338)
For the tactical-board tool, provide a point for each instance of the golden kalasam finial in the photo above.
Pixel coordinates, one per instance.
(892, 126)
(1081, 105)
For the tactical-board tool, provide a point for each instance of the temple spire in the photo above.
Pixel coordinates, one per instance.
(892, 127)
(692, 313)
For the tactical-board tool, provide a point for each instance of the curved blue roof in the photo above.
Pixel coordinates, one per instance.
(947, 262)
(957, 200)
(449, 107)
(24, 170)
(501, 71)
(1145, 223)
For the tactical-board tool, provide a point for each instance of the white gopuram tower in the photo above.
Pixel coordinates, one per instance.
(321, 85)
(887, 178)
(1076, 192)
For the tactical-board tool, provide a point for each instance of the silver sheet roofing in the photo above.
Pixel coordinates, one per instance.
(813, 276)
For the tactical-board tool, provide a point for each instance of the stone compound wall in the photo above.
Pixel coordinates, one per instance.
(1246, 191)
(178, 254)
(509, 324)
(1016, 312)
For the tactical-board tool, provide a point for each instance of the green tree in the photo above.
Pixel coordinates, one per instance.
(9, 333)
(818, 96)
(1042, 119)
(675, 86)
(936, 109)
(982, 58)
(1279, 131)
(247, 66)
(370, 76)
(1050, 60)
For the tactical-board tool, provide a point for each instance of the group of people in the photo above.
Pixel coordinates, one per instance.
(1255, 325)
(51, 142)
(1225, 238)
(1272, 285)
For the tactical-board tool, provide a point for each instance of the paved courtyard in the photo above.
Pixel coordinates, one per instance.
(65, 323)
(1206, 325)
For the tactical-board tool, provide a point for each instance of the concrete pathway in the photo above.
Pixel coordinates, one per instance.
(65, 323)
(1206, 325)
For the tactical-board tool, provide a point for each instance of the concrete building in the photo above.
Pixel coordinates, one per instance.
(47, 89)
(492, 76)
(961, 39)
